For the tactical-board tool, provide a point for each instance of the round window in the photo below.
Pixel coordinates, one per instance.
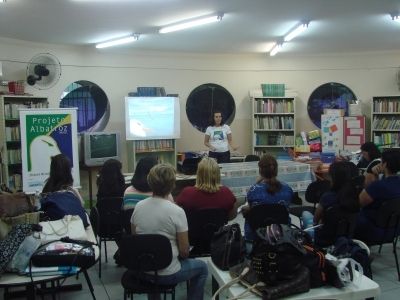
(92, 103)
(329, 95)
(206, 98)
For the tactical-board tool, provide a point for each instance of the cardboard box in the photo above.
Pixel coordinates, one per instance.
(355, 110)
(334, 112)
(302, 148)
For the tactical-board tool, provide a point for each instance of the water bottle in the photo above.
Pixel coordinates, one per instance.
(20, 260)
(307, 220)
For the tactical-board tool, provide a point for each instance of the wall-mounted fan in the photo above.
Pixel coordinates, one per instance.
(43, 71)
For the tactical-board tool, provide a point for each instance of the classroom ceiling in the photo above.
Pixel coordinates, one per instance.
(248, 26)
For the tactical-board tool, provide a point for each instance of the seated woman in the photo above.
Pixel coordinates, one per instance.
(379, 191)
(60, 176)
(158, 215)
(268, 189)
(139, 188)
(58, 205)
(111, 182)
(370, 157)
(208, 191)
(342, 195)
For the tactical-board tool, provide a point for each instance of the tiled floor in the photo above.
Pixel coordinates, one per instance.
(109, 286)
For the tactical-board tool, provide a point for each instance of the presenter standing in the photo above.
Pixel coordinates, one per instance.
(218, 139)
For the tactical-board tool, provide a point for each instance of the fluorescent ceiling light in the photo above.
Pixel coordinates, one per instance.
(120, 41)
(275, 49)
(191, 23)
(295, 32)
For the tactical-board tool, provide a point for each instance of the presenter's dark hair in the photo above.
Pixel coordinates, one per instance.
(139, 178)
(60, 174)
(216, 111)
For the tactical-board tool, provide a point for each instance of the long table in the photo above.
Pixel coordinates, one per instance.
(365, 289)
(240, 176)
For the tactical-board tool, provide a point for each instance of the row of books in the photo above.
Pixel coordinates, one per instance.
(154, 145)
(282, 122)
(386, 123)
(388, 139)
(13, 133)
(15, 182)
(11, 109)
(274, 139)
(273, 106)
(387, 105)
(14, 156)
(152, 91)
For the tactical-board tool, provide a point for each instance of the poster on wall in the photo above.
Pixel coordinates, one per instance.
(331, 133)
(46, 133)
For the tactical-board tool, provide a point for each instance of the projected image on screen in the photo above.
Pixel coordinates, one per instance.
(152, 118)
(103, 146)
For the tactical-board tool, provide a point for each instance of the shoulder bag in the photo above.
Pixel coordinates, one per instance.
(227, 247)
(69, 226)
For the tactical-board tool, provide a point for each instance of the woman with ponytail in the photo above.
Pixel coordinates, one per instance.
(267, 190)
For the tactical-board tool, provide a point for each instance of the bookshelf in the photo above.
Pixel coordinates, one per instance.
(10, 145)
(273, 124)
(163, 149)
(385, 127)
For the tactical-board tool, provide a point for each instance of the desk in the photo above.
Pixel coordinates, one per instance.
(240, 176)
(367, 288)
(9, 280)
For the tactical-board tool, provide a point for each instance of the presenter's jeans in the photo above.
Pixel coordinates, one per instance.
(221, 157)
(192, 269)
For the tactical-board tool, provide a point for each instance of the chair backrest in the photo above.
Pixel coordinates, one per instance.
(203, 223)
(315, 190)
(110, 220)
(266, 214)
(94, 218)
(388, 215)
(252, 157)
(145, 252)
(126, 220)
(338, 222)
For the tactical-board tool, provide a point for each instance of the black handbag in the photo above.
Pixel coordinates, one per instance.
(277, 254)
(227, 247)
(299, 283)
(64, 254)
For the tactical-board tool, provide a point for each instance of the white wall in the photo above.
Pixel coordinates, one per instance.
(367, 74)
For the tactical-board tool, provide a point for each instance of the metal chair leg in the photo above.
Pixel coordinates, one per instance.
(89, 283)
(105, 250)
(395, 258)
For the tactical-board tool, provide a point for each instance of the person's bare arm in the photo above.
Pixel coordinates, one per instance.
(207, 143)
(234, 148)
(319, 211)
(233, 212)
(183, 244)
(364, 198)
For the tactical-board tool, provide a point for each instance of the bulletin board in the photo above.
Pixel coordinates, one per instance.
(354, 132)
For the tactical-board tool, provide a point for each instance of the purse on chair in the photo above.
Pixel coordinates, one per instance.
(69, 226)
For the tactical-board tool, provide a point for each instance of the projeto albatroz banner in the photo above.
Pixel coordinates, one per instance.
(46, 133)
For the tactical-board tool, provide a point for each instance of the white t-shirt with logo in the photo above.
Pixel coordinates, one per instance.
(219, 137)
